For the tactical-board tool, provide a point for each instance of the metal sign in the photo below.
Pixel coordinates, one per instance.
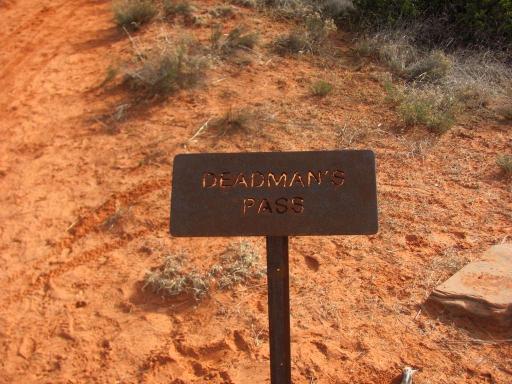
(274, 194)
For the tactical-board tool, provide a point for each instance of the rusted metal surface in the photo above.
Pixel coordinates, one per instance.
(274, 194)
(279, 309)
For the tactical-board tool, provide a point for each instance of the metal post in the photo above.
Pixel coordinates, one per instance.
(279, 309)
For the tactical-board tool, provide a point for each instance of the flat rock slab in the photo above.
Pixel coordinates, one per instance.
(482, 288)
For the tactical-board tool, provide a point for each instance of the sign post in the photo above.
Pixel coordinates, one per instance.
(275, 194)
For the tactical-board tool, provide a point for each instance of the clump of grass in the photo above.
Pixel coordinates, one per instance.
(321, 88)
(238, 38)
(404, 59)
(173, 8)
(222, 11)
(172, 280)
(432, 108)
(110, 75)
(239, 264)
(506, 112)
(311, 38)
(435, 110)
(505, 164)
(245, 3)
(431, 68)
(132, 14)
(166, 69)
(233, 121)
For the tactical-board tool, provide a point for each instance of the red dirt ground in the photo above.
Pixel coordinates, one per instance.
(71, 309)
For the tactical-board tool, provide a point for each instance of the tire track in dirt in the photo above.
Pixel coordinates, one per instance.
(84, 258)
(91, 221)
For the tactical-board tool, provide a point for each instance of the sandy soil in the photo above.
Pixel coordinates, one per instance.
(71, 309)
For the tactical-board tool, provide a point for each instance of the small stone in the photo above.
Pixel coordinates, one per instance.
(482, 288)
(26, 347)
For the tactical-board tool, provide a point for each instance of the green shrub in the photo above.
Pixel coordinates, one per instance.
(321, 88)
(131, 14)
(480, 21)
(432, 111)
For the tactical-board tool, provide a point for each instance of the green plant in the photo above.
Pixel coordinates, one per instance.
(166, 70)
(132, 14)
(436, 114)
(321, 88)
(505, 164)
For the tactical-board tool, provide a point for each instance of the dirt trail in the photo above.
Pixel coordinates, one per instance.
(84, 214)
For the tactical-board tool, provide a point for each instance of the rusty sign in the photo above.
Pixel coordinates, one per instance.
(274, 194)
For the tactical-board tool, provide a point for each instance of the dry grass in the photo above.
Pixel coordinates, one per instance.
(239, 265)
(321, 88)
(132, 14)
(505, 164)
(165, 68)
(238, 38)
(172, 8)
(233, 121)
(312, 37)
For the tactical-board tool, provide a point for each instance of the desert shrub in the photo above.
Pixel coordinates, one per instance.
(173, 8)
(311, 38)
(222, 11)
(166, 69)
(300, 9)
(505, 164)
(431, 67)
(233, 121)
(506, 112)
(239, 264)
(321, 88)
(432, 108)
(245, 3)
(170, 280)
(464, 21)
(131, 14)
(238, 38)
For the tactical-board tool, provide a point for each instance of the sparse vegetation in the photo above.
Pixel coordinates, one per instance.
(239, 264)
(238, 38)
(321, 88)
(245, 3)
(132, 14)
(505, 164)
(310, 38)
(166, 68)
(506, 112)
(222, 11)
(173, 8)
(233, 121)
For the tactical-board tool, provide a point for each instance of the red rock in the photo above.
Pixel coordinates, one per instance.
(482, 288)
